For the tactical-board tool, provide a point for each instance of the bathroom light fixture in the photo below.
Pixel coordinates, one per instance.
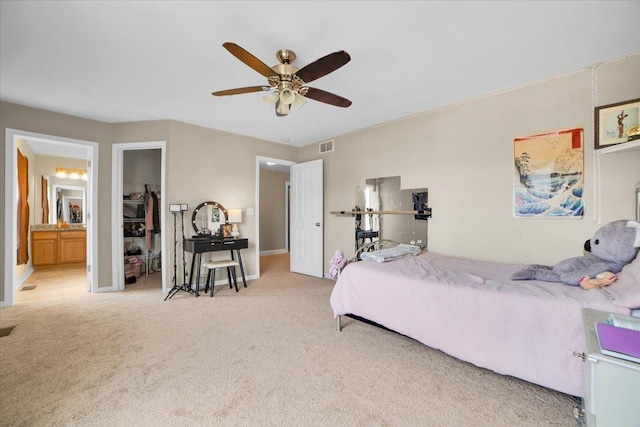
(71, 173)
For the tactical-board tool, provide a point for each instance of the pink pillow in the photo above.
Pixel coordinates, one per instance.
(625, 292)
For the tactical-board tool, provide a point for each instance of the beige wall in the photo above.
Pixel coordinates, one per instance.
(49, 123)
(202, 164)
(272, 209)
(464, 155)
(206, 164)
(225, 166)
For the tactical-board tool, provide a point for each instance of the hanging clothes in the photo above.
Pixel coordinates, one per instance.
(148, 217)
(59, 205)
(156, 213)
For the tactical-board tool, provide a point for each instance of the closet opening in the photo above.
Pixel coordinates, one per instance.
(138, 208)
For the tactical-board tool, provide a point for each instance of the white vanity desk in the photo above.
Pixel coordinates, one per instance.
(611, 385)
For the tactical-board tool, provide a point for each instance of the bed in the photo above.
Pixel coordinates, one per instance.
(473, 311)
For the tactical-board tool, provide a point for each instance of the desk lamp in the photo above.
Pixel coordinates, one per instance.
(235, 217)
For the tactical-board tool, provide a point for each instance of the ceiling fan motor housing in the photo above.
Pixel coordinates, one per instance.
(286, 56)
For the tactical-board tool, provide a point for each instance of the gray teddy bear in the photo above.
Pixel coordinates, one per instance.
(612, 247)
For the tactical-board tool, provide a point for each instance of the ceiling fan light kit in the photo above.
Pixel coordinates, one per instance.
(287, 96)
(271, 98)
(299, 101)
(287, 84)
(282, 109)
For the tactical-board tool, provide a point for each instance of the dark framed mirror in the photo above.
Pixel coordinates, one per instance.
(207, 218)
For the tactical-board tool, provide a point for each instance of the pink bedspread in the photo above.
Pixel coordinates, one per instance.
(473, 311)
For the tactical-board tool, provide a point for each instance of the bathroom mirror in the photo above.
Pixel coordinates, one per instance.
(207, 218)
(69, 205)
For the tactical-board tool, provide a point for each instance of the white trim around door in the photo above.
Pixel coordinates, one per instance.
(11, 237)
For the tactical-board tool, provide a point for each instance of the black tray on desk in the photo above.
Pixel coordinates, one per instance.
(205, 237)
(199, 245)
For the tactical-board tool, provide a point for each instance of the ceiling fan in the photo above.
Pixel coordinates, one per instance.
(287, 84)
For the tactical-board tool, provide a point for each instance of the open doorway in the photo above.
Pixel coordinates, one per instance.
(272, 207)
(46, 145)
(138, 221)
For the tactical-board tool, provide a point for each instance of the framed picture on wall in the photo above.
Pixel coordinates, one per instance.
(549, 175)
(614, 120)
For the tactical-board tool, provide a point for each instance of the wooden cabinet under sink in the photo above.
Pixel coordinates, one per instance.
(58, 248)
(44, 247)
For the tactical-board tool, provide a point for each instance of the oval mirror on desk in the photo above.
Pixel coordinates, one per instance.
(208, 217)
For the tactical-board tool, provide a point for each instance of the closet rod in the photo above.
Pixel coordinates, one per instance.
(141, 183)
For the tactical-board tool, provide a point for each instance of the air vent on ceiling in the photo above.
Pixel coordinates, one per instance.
(326, 146)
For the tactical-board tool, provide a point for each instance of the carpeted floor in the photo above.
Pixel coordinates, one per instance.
(265, 356)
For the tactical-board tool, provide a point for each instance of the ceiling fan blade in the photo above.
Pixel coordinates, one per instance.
(323, 66)
(327, 97)
(249, 59)
(240, 90)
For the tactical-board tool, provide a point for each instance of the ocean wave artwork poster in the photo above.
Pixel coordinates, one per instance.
(549, 175)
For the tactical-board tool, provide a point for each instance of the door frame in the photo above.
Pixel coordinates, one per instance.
(117, 186)
(257, 201)
(11, 234)
(287, 189)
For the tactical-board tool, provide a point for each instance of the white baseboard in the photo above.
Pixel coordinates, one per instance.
(100, 289)
(24, 277)
(18, 285)
(274, 252)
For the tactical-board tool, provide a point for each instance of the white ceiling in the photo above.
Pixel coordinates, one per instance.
(148, 60)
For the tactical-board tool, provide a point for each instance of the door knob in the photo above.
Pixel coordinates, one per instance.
(317, 224)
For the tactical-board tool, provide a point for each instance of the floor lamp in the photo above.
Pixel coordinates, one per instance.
(175, 209)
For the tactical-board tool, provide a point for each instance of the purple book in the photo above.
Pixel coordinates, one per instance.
(619, 342)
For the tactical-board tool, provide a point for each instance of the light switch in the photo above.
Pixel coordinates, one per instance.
(250, 211)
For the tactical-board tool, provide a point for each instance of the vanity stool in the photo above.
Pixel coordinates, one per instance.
(229, 264)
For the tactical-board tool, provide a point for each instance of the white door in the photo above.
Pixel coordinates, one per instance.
(306, 218)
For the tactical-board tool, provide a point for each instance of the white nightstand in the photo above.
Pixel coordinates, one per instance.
(611, 385)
